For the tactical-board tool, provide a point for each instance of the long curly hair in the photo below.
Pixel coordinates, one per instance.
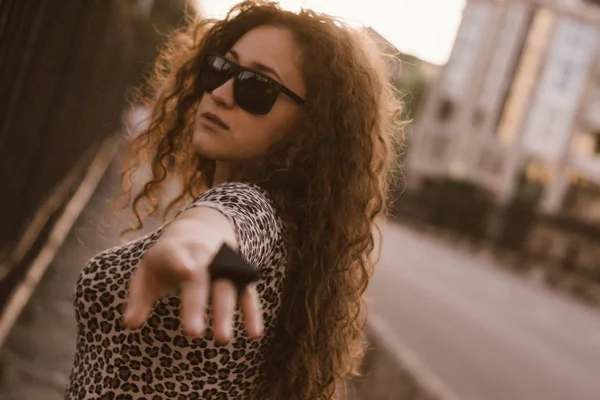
(328, 179)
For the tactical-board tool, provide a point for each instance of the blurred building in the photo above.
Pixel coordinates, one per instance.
(520, 95)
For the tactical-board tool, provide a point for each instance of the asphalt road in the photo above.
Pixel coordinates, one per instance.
(486, 333)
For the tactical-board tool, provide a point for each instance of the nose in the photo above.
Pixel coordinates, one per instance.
(223, 95)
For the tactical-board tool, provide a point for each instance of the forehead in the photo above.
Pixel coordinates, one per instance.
(271, 46)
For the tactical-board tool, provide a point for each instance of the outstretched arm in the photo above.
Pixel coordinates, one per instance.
(180, 259)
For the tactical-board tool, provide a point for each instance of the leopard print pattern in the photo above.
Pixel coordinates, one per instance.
(158, 361)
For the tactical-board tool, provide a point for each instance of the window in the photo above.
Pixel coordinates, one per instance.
(446, 110)
(597, 143)
(439, 147)
(586, 144)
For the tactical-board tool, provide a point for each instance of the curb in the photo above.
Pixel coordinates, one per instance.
(400, 371)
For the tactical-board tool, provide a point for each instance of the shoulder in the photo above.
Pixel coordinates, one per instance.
(242, 197)
(237, 193)
(250, 209)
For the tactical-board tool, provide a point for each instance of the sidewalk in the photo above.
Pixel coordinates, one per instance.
(36, 359)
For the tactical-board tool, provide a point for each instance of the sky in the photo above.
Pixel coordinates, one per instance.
(423, 28)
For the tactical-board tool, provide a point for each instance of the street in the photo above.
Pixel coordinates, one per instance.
(485, 333)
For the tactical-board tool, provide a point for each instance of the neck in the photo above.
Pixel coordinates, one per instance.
(223, 172)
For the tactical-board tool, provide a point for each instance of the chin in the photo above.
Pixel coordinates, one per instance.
(208, 146)
(204, 143)
(206, 152)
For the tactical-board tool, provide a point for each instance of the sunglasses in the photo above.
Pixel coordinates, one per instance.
(252, 91)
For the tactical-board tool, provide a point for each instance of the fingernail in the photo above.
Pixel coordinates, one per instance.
(197, 326)
(224, 336)
(129, 314)
(258, 331)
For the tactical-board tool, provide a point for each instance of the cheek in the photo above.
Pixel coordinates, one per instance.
(259, 133)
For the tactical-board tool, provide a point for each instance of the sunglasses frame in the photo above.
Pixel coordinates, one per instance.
(237, 69)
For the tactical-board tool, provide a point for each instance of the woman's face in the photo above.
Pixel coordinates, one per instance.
(273, 52)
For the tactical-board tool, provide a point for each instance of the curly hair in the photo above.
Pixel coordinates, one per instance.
(328, 178)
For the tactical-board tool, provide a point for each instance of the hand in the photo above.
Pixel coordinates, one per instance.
(179, 260)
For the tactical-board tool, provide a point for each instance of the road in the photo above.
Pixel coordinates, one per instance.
(486, 333)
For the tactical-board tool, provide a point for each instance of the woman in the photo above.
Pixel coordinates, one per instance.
(279, 126)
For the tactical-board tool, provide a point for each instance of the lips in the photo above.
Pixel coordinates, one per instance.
(215, 119)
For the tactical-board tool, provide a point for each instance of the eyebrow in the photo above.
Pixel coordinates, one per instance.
(256, 65)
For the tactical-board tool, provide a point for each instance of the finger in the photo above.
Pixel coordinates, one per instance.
(250, 305)
(223, 304)
(194, 295)
(140, 298)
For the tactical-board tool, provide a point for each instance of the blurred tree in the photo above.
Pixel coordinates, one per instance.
(412, 85)
(151, 31)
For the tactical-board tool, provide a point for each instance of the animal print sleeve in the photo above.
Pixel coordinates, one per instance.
(249, 209)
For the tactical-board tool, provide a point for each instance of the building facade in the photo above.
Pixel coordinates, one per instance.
(520, 95)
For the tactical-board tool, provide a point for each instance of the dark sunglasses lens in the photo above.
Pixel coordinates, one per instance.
(215, 72)
(255, 93)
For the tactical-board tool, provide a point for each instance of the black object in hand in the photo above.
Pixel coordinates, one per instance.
(228, 264)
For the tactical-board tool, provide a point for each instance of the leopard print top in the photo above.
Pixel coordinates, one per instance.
(158, 361)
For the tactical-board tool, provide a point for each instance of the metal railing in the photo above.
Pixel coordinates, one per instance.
(64, 68)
